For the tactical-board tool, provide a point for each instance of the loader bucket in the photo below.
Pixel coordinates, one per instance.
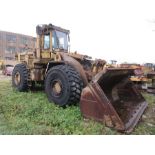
(112, 98)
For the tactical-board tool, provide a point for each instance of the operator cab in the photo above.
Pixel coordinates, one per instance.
(149, 65)
(113, 62)
(54, 38)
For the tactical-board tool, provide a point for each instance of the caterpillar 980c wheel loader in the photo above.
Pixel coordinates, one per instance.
(105, 94)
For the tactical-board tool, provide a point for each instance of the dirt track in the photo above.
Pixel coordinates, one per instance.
(4, 77)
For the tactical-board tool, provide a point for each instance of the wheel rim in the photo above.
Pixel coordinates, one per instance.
(56, 87)
(17, 78)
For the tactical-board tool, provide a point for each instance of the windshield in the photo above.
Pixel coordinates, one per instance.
(60, 40)
(150, 65)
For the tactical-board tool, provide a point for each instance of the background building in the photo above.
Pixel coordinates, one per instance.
(11, 43)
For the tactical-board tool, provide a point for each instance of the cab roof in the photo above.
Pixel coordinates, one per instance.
(45, 29)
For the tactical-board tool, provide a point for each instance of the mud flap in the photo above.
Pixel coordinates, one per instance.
(112, 98)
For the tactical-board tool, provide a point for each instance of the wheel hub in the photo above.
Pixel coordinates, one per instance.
(17, 78)
(57, 88)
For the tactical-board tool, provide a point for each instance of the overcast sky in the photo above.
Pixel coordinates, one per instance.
(109, 29)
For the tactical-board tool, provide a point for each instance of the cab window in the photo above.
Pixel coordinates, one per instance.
(46, 42)
(59, 40)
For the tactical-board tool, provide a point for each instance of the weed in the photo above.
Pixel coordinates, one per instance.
(31, 113)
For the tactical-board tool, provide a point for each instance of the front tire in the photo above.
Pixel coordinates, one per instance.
(20, 77)
(63, 85)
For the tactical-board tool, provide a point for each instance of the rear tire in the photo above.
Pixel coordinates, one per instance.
(63, 85)
(20, 77)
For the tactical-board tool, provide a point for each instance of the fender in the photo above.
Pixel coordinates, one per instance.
(76, 65)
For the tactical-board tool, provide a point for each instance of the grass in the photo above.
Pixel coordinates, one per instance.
(31, 113)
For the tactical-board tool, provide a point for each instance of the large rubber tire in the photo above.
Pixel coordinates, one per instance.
(20, 77)
(70, 85)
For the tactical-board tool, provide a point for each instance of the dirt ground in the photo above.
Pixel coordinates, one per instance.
(4, 77)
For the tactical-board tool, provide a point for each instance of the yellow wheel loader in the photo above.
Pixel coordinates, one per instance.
(146, 80)
(140, 80)
(149, 71)
(105, 94)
